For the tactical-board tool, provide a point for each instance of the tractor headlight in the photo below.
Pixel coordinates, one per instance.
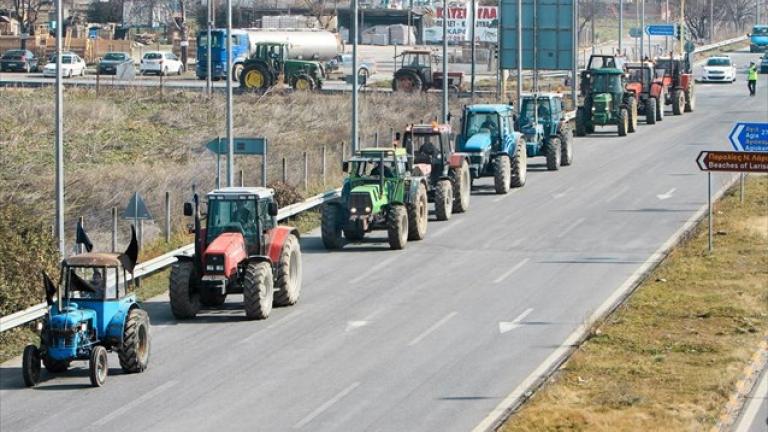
(367, 209)
(83, 327)
(39, 326)
(210, 267)
(593, 109)
(220, 268)
(353, 210)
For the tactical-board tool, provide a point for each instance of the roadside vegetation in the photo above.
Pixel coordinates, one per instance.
(670, 357)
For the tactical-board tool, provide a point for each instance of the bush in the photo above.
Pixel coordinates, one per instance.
(285, 194)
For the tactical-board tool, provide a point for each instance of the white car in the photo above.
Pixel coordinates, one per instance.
(161, 63)
(718, 69)
(71, 65)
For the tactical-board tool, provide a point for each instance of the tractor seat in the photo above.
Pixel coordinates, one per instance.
(422, 169)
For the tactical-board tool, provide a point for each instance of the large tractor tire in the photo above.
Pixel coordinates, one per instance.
(661, 106)
(256, 77)
(303, 82)
(55, 366)
(553, 152)
(407, 81)
(650, 111)
(690, 99)
(330, 227)
(623, 122)
(519, 169)
(258, 290)
(134, 354)
(185, 299)
(678, 102)
(353, 231)
(289, 273)
(581, 122)
(566, 142)
(98, 367)
(209, 298)
(397, 227)
(462, 187)
(237, 71)
(632, 116)
(30, 366)
(444, 200)
(502, 174)
(418, 213)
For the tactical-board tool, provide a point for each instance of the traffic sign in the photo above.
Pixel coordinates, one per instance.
(636, 32)
(730, 161)
(247, 146)
(136, 209)
(661, 30)
(751, 137)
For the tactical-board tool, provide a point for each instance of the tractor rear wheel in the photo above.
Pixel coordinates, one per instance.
(209, 298)
(55, 366)
(353, 231)
(690, 99)
(98, 366)
(519, 166)
(330, 227)
(418, 212)
(288, 280)
(552, 150)
(623, 122)
(134, 354)
(397, 227)
(661, 105)
(581, 128)
(678, 102)
(185, 299)
(255, 77)
(566, 142)
(407, 81)
(30, 365)
(501, 174)
(650, 111)
(462, 185)
(632, 116)
(258, 290)
(444, 200)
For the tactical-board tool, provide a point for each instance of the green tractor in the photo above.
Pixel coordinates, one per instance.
(606, 101)
(379, 193)
(270, 60)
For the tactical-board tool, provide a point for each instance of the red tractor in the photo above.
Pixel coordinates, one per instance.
(649, 90)
(418, 72)
(241, 250)
(679, 80)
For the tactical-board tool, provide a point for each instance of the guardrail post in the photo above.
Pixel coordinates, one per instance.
(306, 171)
(114, 229)
(342, 150)
(376, 139)
(242, 178)
(167, 217)
(323, 165)
(285, 171)
(161, 84)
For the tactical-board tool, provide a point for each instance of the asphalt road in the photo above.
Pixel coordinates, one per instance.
(754, 414)
(431, 338)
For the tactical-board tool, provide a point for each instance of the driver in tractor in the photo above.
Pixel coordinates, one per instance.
(376, 171)
(427, 152)
(543, 110)
(243, 216)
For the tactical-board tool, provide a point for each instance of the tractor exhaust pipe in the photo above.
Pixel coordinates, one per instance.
(198, 261)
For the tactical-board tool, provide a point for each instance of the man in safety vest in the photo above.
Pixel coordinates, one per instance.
(752, 78)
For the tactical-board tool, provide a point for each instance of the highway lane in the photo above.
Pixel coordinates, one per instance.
(412, 340)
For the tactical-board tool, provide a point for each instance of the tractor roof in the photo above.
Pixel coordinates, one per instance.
(94, 259)
(639, 65)
(376, 153)
(607, 71)
(432, 128)
(543, 95)
(417, 51)
(261, 192)
(489, 108)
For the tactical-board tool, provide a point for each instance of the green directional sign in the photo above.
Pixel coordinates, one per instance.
(636, 32)
(245, 146)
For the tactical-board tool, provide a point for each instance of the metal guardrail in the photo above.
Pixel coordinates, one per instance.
(720, 44)
(156, 264)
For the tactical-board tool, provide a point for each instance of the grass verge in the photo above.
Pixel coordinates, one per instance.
(670, 357)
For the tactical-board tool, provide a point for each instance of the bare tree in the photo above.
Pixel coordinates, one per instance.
(26, 12)
(318, 10)
(183, 27)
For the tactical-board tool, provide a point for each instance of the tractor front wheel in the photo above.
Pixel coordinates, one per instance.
(397, 227)
(444, 200)
(31, 365)
(632, 123)
(552, 150)
(520, 165)
(288, 289)
(330, 227)
(650, 111)
(55, 366)
(303, 83)
(690, 99)
(501, 174)
(581, 122)
(185, 299)
(98, 366)
(418, 214)
(462, 186)
(134, 354)
(258, 290)
(660, 106)
(678, 102)
(623, 122)
(566, 141)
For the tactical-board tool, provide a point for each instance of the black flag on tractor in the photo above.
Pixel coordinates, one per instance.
(82, 238)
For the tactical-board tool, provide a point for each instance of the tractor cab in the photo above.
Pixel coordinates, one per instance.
(602, 61)
(429, 147)
(415, 71)
(371, 165)
(272, 53)
(540, 114)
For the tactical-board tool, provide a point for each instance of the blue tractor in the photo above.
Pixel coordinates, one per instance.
(494, 148)
(92, 312)
(546, 130)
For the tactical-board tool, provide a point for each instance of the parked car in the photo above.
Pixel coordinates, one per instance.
(71, 65)
(19, 60)
(343, 63)
(764, 64)
(718, 69)
(160, 63)
(111, 60)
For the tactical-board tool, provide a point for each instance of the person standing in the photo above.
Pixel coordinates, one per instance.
(752, 78)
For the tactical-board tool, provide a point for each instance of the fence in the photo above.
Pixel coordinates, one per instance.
(88, 49)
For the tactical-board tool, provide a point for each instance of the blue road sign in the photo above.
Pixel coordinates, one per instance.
(136, 208)
(749, 137)
(247, 146)
(552, 31)
(661, 30)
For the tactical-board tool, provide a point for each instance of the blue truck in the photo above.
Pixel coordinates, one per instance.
(758, 39)
(241, 47)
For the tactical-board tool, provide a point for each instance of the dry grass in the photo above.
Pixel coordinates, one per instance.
(670, 357)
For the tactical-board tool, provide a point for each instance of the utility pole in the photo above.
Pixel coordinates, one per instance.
(230, 138)
(445, 61)
(209, 69)
(642, 28)
(519, 53)
(59, 134)
(666, 38)
(682, 27)
(473, 24)
(575, 66)
(354, 77)
(592, 23)
(621, 25)
(711, 21)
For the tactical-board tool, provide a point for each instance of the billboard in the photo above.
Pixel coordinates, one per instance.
(459, 22)
(552, 32)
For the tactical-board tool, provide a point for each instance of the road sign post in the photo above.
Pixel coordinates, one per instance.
(244, 146)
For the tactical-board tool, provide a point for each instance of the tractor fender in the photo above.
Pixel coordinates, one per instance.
(457, 159)
(113, 336)
(276, 238)
(413, 188)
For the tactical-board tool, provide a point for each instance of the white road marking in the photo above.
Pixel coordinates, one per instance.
(133, 404)
(509, 272)
(666, 196)
(617, 194)
(434, 327)
(753, 406)
(445, 229)
(570, 228)
(373, 270)
(351, 325)
(505, 326)
(322, 408)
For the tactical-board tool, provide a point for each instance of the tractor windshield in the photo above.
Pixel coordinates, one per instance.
(373, 168)
(416, 60)
(477, 122)
(425, 148)
(90, 283)
(529, 111)
(606, 83)
(237, 215)
(640, 75)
